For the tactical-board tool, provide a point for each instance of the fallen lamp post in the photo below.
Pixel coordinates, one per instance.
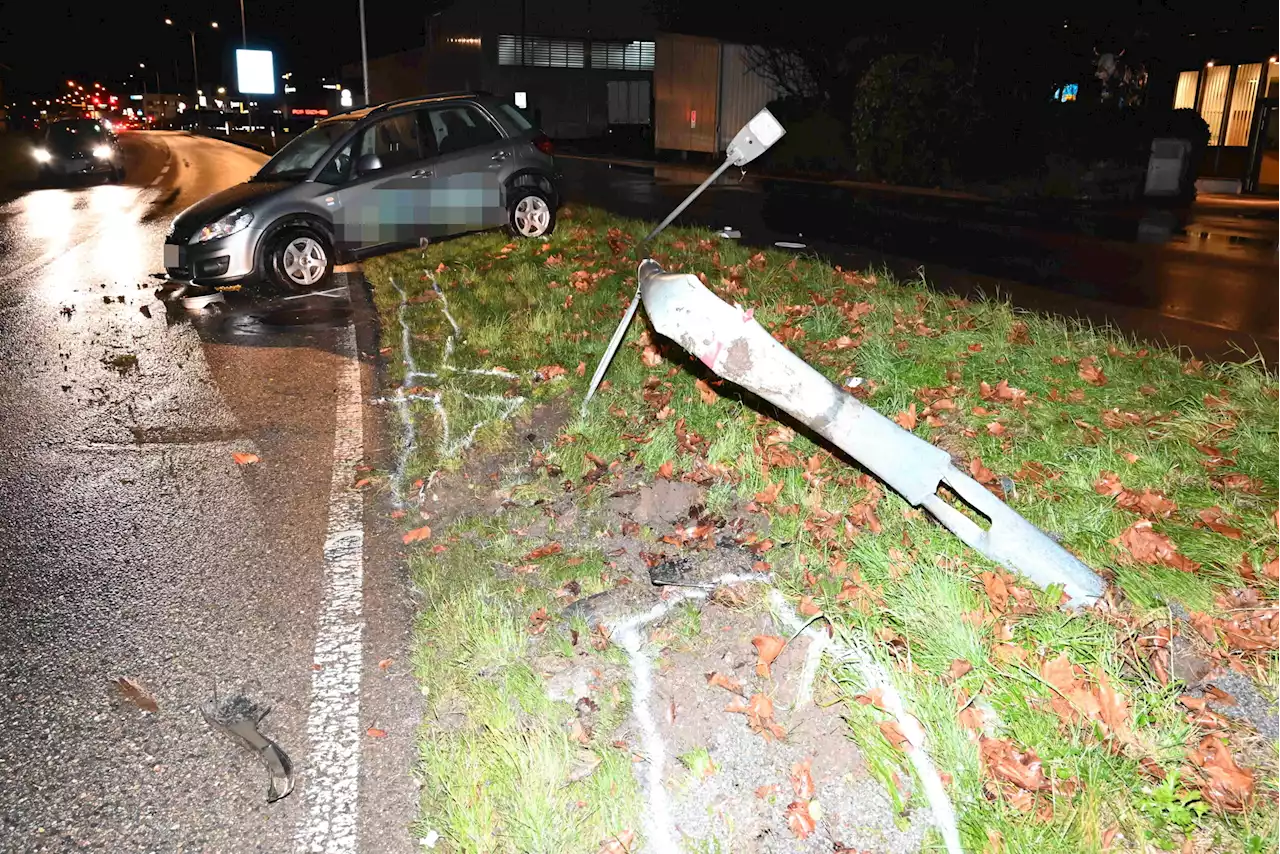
(732, 344)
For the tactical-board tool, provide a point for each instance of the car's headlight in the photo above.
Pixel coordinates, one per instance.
(226, 226)
(102, 152)
(42, 155)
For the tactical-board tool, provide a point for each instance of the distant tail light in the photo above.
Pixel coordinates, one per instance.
(542, 142)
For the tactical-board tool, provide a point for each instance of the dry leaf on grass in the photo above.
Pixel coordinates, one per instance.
(768, 647)
(1148, 546)
(997, 592)
(620, 843)
(1088, 370)
(893, 734)
(666, 470)
(981, 473)
(538, 621)
(243, 459)
(416, 534)
(1222, 782)
(706, 392)
(907, 419)
(800, 820)
(136, 694)
(808, 607)
(769, 494)
(1004, 762)
(728, 683)
(543, 551)
(1212, 517)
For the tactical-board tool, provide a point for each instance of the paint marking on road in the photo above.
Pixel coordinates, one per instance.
(330, 795)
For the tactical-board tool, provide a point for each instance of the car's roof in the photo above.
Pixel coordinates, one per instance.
(407, 103)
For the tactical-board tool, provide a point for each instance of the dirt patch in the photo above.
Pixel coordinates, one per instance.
(659, 502)
(740, 800)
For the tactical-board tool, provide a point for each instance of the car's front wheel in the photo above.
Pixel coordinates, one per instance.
(529, 213)
(300, 258)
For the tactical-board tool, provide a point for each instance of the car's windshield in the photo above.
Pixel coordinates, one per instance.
(297, 158)
(81, 132)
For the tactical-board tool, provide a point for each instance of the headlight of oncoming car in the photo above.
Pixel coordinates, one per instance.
(228, 225)
(102, 152)
(42, 155)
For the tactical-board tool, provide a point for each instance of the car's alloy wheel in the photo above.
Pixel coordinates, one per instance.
(531, 216)
(304, 261)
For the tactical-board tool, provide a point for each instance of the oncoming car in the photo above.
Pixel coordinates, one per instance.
(369, 180)
(75, 148)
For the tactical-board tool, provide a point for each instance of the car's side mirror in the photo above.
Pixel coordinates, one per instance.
(367, 163)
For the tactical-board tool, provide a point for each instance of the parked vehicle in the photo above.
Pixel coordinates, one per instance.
(369, 180)
(79, 148)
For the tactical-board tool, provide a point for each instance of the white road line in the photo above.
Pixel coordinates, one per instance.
(330, 793)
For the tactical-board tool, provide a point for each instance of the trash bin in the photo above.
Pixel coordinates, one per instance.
(1167, 169)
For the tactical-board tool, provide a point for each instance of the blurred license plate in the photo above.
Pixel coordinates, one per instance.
(172, 255)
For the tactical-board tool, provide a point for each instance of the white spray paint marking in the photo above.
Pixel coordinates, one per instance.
(330, 800)
(875, 677)
(657, 818)
(448, 444)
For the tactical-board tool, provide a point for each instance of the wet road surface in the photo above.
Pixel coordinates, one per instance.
(135, 547)
(1203, 278)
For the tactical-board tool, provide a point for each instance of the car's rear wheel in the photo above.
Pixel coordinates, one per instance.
(300, 258)
(530, 213)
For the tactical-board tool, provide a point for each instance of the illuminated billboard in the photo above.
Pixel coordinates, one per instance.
(255, 72)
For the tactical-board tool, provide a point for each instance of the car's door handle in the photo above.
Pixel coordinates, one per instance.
(499, 156)
(422, 173)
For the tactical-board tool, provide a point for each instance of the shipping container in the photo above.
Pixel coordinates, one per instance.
(686, 81)
(704, 92)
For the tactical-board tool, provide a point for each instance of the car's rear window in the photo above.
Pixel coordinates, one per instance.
(513, 120)
(81, 126)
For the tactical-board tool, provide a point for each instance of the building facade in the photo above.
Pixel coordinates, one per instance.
(1238, 103)
(578, 67)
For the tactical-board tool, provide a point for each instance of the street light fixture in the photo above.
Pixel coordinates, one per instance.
(195, 61)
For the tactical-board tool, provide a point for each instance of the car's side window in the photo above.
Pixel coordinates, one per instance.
(339, 167)
(394, 140)
(457, 127)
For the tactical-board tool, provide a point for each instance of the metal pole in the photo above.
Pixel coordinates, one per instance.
(244, 39)
(195, 66)
(364, 55)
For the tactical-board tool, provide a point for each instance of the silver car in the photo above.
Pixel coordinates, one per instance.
(370, 180)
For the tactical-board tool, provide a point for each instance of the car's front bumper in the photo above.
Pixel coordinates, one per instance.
(216, 262)
(78, 165)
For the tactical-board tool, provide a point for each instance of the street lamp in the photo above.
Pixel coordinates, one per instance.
(195, 61)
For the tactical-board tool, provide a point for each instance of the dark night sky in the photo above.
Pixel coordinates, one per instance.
(55, 40)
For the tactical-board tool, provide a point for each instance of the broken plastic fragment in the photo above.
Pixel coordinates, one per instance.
(237, 717)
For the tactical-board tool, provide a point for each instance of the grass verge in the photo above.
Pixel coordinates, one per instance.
(1059, 731)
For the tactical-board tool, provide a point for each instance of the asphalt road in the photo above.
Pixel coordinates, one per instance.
(134, 547)
(1204, 278)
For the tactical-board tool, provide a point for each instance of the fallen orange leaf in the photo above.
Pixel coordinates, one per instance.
(802, 778)
(1224, 783)
(769, 494)
(665, 470)
(997, 591)
(808, 607)
(768, 647)
(706, 392)
(417, 534)
(799, 819)
(543, 551)
(619, 843)
(907, 419)
(374, 732)
(728, 683)
(981, 473)
(385, 663)
(244, 459)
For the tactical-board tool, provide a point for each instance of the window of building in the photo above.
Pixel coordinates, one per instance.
(1184, 97)
(541, 52)
(1214, 100)
(622, 56)
(1243, 95)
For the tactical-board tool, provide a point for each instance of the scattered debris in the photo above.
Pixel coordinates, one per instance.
(124, 363)
(136, 694)
(237, 717)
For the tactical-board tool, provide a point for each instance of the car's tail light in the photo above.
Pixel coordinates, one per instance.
(542, 142)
